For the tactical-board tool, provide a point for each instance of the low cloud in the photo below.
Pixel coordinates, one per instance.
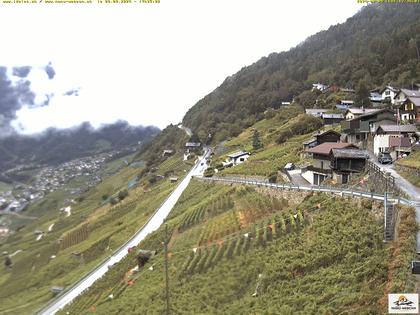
(72, 92)
(13, 96)
(21, 72)
(50, 71)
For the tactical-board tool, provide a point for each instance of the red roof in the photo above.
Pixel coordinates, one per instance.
(326, 147)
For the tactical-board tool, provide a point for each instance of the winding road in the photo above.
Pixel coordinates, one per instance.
(152, 225)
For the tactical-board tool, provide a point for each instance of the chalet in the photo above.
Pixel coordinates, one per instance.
(388, 94)
(237, 158)
(331, 119)
(321, 155)
(345, 162)
(358, 129)
(409, 110)
(395, 139)
(356, 112)
(404, 94)
(316, 112)
(321, 137)
(319, 87)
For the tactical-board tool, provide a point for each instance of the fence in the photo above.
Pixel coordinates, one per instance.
(385, 182)
(327, 189)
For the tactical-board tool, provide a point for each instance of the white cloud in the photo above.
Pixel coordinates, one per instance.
(149, 63)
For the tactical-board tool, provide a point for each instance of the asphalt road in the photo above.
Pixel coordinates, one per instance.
(152, 225)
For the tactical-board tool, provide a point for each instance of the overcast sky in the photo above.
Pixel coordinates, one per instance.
(145, 63)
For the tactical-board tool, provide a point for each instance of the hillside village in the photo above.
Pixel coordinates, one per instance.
(288, 195)
(352, 136)
(52, 178)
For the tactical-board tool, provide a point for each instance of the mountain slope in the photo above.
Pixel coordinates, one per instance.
(377, 46)
(55, 146)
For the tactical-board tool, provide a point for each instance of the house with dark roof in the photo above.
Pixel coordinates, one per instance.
(320, 137)
(358, 129)
(408, 104)
(403, 94)
(395, 139)
(321, 155)
(345, 162)
(192, 146)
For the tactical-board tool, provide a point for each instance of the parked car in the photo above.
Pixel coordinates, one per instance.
(384, 158)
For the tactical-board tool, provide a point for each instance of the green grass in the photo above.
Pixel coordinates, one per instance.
(4, 187)
(410, 167)
(328, 260)
(413, 160)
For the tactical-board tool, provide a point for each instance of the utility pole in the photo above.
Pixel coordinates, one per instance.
(166, 271)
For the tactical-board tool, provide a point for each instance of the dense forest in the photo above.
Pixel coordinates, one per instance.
(379, 45)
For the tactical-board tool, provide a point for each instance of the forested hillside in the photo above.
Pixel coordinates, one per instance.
(379, 45)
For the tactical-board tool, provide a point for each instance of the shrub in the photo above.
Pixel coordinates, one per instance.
(122, 194)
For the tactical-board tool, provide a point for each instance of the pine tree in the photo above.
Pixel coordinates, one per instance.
(256, 141)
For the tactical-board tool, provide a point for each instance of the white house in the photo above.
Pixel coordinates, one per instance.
(316, 112)
(395, 139)
(237, 158)
(319, 86)
(388, 94)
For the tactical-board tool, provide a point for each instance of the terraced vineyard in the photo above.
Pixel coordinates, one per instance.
(76, 243)
(243, 251)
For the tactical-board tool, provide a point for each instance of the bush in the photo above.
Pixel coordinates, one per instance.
(122, 194)
(272, 178)
(209, 172)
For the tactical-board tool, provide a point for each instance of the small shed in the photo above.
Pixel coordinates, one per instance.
(238, 157)
(173, 179)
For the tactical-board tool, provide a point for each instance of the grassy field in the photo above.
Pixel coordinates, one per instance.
(4, 187)
(237, 250)
(73, 244)
(273, 156)
(412, 162)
